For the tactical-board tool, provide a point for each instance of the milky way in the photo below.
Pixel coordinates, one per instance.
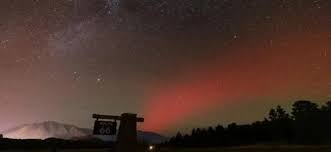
(180, 64)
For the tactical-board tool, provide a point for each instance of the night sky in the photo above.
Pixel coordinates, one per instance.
(178, 63)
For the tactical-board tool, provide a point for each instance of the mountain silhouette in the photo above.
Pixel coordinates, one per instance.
(44, 130)
(52, 129)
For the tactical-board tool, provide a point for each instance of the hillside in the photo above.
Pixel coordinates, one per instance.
(52, 129)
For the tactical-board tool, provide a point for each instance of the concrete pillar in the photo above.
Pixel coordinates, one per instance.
(127, 134)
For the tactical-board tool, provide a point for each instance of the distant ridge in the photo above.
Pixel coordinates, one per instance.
(47, 129)
(52, 129)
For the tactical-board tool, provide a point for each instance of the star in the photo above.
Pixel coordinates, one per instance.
(235, 36)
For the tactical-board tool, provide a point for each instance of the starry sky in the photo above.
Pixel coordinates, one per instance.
(179, 64)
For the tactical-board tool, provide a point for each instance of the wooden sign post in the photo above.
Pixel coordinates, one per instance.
(127, 134)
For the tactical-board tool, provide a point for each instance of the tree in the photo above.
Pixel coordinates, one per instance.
(326, 107)
(281, 113)
(303, 108)
(177, 140)
(307, 124)
(220, 135)
(278, 114)
(272, 115)
(326, 121)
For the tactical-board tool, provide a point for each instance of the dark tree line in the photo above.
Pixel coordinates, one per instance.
(308, 123)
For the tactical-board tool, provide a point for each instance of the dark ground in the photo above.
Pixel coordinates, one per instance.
(234, 149)
(258, 149)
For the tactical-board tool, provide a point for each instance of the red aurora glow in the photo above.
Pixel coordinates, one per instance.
(248, 74)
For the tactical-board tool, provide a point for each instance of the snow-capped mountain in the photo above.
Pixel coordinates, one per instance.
(44, 130)
(52, 129)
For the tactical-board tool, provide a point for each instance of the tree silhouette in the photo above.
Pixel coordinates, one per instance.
(307, 124)
(280, 125)
(302, 109)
